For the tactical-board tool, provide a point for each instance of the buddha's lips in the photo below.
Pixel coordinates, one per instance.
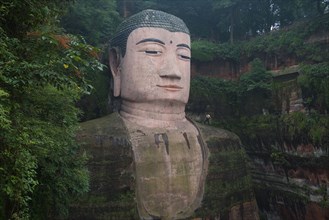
(170, 87)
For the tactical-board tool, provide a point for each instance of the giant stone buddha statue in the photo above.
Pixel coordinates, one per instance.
(149, 161)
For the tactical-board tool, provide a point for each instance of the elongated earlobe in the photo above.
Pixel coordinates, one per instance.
(114, 61)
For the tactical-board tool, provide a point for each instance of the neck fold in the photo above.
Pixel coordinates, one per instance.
(153, 114)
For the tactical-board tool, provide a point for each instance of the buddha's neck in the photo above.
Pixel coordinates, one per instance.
(153, 114)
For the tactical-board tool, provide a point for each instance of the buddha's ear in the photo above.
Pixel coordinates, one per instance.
(114, 61)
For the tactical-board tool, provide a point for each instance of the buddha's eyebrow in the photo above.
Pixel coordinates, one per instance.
(151, 40)
(184, 45)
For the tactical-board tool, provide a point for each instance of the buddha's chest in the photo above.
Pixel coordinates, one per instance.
(168, 168)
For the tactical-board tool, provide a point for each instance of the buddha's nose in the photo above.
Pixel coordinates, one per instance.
(170, 67)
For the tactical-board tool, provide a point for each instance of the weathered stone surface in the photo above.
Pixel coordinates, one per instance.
(228, 183)
(112, 182)
(170, 167)
(296, 191)
(246, 210)
(314, 211)
(228, 190)
(226, 69)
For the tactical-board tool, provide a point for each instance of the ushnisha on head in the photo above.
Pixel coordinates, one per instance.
(150, 63)
(146, 18)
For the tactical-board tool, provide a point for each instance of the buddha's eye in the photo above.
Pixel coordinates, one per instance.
(184, 57)
(151, 49)
(183, 53)
(153, 52)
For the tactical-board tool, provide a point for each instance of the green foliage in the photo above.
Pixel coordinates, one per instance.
(311, 128)
(42, 74)
(269, 131)
(231, 20)
(248, 96)
(256, 79)
(58, 165)
(95, 104)
(314, 81)
(18, 178)
(204, 51)
(95, 20)
(323, 191)
(216, 94)
(4, 110)
(255, 89)
(258, 125)
(96, 31)
(279, 159)
(280, 44)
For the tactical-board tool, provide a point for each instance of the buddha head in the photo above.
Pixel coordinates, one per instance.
(150, 60)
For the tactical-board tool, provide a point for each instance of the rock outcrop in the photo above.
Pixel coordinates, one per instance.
(295, 188)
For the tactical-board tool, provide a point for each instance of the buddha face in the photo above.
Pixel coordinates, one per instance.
(155, 68)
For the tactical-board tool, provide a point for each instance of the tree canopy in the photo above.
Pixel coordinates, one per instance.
(95, 20)
(42, 74)
(231, 20)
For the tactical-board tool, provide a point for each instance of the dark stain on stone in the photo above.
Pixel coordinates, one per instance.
(202, 146)
(157, 139)
(140, 131)
(165, 139)
(105, 140)
(187, 141)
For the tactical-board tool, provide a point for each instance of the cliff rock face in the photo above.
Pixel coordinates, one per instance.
(228, 192)
(291, 180)
(230, 70)
(292, 185)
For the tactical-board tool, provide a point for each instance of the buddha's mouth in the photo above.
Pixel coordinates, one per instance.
(170, 87)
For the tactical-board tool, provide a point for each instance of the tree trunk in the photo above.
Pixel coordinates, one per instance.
(125, 9)
(318, 7)
(232, 25)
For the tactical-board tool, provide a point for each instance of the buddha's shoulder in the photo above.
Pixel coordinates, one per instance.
(209, 132)
(219, 140)
(110, 124)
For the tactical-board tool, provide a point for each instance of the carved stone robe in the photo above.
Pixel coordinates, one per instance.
(156, 174)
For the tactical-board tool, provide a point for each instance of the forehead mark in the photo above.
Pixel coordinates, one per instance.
(154, 40)
(184, 45)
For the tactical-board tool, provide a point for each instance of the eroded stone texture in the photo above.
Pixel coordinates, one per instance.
(228, 191)
(113, 194)
(112, 180)
(297, 191)
(170, 171)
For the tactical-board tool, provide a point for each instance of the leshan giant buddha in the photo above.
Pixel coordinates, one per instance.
(150, 161)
